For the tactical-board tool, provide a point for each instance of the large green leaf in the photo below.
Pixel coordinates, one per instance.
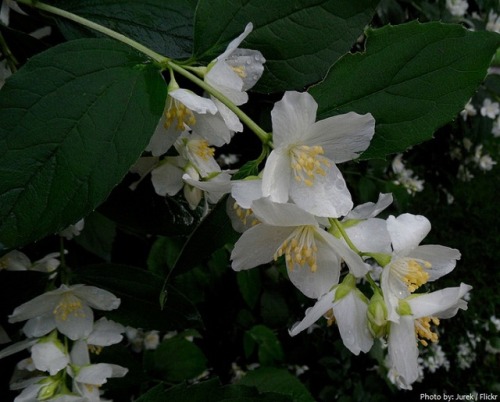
(413, 78)
(72, 122)
(300, 39)
(139, 291)
(164, 26)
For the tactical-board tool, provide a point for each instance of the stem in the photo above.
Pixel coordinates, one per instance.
(89, 24)
(263, 136)
(342, 231)
(9, 57)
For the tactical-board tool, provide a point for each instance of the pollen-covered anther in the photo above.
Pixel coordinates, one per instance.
(243, 214)
(202, 150)
(307, 162)
(330, 317)
(95, 349)
(299, 248)
(240, 70)
(423, 330)
(178, 111)
(69, 305)
(412, 272)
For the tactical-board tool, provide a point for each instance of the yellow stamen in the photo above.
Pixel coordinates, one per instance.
(95, 349)
(299, 248)
(423, 330)
(178, 111)
(330, 318)
(69, 305)
(412, 272)
(201, 149)
(307, 163)
(240, 70)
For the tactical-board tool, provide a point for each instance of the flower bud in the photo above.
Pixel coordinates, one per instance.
(377, 316)
(49, 388)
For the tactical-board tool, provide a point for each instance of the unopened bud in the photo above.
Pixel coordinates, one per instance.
(48, 389)
(377, 316)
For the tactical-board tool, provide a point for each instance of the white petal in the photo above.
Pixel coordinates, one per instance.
(369, 209)
(194, 102)
(403, 350)
(97, 298)
(370, 235)
(15, 261)
(167, 179)
(314, 313)
(232, 121)
(443, 259)
(213, 129)
(328, 196)
(39, 326)
(29, 394)
(38, 306)
(163, 138)
(251, 62)
(228, 82)
(277, 176)
(258, 245)
(316, 284)
(246, 191)
(98, 374)
(343, 137)
(76, 325)
(350, 314)
(292, 117)
(80, 354)
(106, 333)
(48, 357)
(407, 231)
(282, 214)
(442, 304)
(215, 188)
(17, 347)
(233, 45)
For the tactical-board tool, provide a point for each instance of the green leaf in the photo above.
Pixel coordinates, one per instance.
(279, 381)
(269, 348)
(413, 78)
(177, 359)
(72, 122)
(98, 235)
(213, 232)
(249, 284)
(164, 26)
(210, 391)
(139, 291)
(299, 39)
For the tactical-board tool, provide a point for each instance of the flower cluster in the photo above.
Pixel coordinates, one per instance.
(195, 124)
(61, 333)
(300, 208)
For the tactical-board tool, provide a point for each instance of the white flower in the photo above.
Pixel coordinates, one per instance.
(490, 109)
(312, 254)
(185, 110)
(493, 23)
(68, 309)
(412, 265)
(457, 8)
(213, 187)
(420, 312)
(302, 164)
(73, 230)
(151, 340)
(349, 307)
(496, 128)
(17, 261)
(105, 333)
(232, 73)
(468, 111)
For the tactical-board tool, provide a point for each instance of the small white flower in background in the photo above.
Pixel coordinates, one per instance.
(435, 358)
(418, 314)
(493, 23)
(17, 261)
(457, 8)
(484, 161)
(302, 166)
(233, 73)
(496, 322)
(405, 177)
(312, 255)
(468, 111)
(412, 265)
(348, 307)
(465, 355)
(464, 173)
(496, 128)
(151, 340)
(69, 309)
(490, 109)
(73, 230)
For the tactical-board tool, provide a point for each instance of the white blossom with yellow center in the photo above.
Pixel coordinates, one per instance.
(412, 265)
(69, 309)
(418, 325)
(302, 165)
(312, 255)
